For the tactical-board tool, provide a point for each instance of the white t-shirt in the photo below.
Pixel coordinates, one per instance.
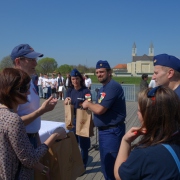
(53, 82)
(152, 84)
(88, 82)
(67, 81)
(29, 107)
(40, 80)
(46, 82)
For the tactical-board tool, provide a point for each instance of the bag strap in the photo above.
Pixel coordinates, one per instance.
(170, 149)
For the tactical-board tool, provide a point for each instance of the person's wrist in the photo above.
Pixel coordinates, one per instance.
(45, 170)
(41, 111)
(126, 140)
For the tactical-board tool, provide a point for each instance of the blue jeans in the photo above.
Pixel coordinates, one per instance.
(109, 142)
(40, 90)
(48, 94)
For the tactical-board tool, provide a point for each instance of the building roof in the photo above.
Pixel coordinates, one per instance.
(142, 58)
(120, 66)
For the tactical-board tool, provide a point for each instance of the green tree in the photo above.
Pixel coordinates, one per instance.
(6, 62)
(63, 69)
(46, 65)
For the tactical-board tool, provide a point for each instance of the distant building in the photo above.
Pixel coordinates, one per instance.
(141, 64)
(138, 66)
(121, 70)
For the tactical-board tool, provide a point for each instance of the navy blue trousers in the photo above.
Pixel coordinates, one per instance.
(109, 143)
(84, 144)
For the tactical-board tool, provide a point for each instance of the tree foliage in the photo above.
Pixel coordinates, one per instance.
(64, 69)
(6, 62)
(46, 65)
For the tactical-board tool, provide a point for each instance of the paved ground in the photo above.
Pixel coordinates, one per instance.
(93, 170)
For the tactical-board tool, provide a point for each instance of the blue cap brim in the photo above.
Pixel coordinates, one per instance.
(33, 55)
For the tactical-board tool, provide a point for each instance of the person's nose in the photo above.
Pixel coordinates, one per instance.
(153, 77)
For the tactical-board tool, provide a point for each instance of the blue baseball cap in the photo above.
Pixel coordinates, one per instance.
(168, 61)
(102, 64)
(24, 50)
(75, 73)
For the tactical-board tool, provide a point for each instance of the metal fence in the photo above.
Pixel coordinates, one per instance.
(129, 91)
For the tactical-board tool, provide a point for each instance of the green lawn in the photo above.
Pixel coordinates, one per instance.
(125, 80)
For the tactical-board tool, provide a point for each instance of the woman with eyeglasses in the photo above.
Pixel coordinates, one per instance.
(157, 154)
(17, 155)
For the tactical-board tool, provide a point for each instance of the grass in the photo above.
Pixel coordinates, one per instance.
(125, 80)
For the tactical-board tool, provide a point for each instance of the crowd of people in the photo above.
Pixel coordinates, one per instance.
(55, 86)
(158, 113)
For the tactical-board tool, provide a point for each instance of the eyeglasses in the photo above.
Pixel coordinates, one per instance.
(152, 92)
(29, 59)
(24, 89)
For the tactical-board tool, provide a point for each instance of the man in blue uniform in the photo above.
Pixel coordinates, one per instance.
(167, 72)
(109, 116)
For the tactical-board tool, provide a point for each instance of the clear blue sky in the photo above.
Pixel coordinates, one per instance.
(83, 31)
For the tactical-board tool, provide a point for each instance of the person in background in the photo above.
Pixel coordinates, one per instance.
(167, 72)
(17, 156)
(60, 87)
(144, 84)
(109, 116)
(40, 83)
(46, 87)
(76, 95)
(159, 115)
(67, 81)
(152, 84)
(53, 83)
(88, 82)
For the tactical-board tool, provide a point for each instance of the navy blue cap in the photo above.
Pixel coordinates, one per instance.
(24, 50)
(168, 61)
(75, 73)
(102, 64)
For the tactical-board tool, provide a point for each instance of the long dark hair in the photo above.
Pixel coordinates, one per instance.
(161, 117)
(10, 81)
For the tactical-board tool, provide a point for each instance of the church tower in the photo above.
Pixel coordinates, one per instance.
(134, 49)
(151, 50)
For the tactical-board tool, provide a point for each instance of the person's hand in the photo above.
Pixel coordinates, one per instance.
(85, 104)
(68, 99)
(60, 133)
(47, 174)
(49, 104)
(133, 133)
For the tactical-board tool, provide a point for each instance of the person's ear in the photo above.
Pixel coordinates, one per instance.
(170, 73)
(17, 61)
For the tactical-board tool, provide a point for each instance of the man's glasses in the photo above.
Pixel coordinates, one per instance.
(28, 59)
(152, 92)
(24, 89)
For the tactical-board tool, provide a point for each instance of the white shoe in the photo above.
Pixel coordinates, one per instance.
(62, 99)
